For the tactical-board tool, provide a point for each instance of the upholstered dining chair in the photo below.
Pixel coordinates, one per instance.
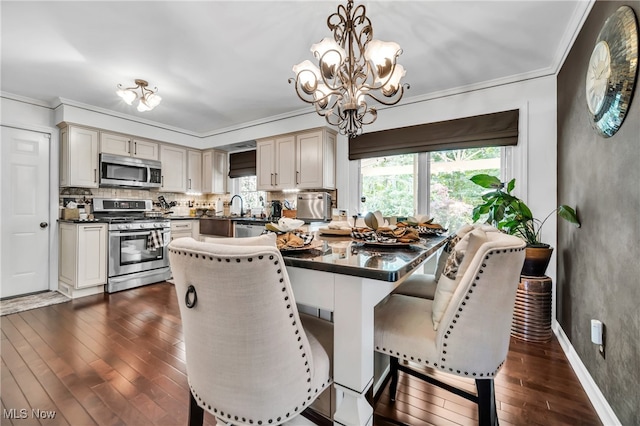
(465, 329)
(249, 358)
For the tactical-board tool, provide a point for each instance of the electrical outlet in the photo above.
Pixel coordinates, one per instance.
(598, 335)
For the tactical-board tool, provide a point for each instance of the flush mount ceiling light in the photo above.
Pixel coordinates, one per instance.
(352, 67)
(148, 97)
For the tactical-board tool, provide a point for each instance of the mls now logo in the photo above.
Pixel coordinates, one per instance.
(14, 413)
(23, 413)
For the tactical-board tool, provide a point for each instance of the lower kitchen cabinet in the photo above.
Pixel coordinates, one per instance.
(83, 259)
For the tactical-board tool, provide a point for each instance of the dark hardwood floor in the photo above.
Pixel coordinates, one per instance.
(119, 359)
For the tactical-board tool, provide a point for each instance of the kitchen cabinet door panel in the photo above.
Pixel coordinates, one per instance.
(286, 163)
(115, 144)
(126, 146)
(266, 164)
(194, 171)
(83, 256)
(79, 157)
(309, 160)
(146, 149)
(174, 169)
(276, 163)
(214, 172)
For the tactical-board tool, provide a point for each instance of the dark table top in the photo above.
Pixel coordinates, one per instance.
(359, 259)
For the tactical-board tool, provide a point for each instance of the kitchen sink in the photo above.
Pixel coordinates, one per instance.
(221, 227)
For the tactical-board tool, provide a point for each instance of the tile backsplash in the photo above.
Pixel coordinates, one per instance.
(183, 201)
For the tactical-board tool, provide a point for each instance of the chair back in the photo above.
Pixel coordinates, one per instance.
(473, 336)
(248, 357)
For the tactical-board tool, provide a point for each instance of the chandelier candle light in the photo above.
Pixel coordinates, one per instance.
(353, 67)
(148, 97)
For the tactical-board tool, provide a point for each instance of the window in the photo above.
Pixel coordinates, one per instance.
(252, 198)
(388, 184)
(435, 183)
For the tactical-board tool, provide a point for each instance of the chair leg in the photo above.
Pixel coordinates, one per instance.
(196, 413)
(487, 414)
(393, 370)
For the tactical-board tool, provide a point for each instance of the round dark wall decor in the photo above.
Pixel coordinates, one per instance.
(612, 72)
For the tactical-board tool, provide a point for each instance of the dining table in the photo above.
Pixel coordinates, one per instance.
(349, 278)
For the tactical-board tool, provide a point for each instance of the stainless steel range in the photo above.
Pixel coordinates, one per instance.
(137, 243)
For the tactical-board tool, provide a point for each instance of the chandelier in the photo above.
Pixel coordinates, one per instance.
(148, 97)
(352, 68)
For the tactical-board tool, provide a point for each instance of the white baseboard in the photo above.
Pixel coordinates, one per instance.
(602, 407)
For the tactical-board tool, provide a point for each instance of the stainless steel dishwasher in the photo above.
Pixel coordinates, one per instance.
(241, 230)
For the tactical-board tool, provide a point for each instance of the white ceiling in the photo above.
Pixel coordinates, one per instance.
(219, 64)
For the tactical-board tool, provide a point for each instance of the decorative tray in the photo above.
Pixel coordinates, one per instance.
(310, 246)
(329, 231)
(387, 243)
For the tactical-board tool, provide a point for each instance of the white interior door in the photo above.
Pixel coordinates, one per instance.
(24, 205)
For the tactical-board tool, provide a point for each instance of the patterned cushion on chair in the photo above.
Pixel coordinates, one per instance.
(448, 248)
(457, 263)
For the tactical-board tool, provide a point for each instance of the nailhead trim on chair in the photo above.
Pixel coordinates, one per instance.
(448, 332)
(213, 409)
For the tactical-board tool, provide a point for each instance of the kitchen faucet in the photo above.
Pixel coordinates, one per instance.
(241, 204)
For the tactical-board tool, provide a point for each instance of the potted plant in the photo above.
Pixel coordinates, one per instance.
(510, 214)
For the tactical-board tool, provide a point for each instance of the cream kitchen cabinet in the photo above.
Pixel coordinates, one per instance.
(316, 160)
(304, 160)
(194, 171)
(112, 143)
(276, 163)
(214, 172)
(174, 168)
(83, 258)
(79, 157)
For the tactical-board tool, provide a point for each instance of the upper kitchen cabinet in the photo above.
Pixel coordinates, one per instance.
(79, 157)
(174, 168)
(304, 160)
(194, 171)
(111, 143)
(276, 163)
(316, 160)
(214, 172)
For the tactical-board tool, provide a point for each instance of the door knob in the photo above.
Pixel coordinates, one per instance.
(43, 225)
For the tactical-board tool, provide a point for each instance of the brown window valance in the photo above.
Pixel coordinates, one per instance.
(496, 129)
(242, 164)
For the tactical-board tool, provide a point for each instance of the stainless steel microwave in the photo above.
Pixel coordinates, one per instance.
(129, 172)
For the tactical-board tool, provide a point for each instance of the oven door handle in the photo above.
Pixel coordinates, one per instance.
(136, 234)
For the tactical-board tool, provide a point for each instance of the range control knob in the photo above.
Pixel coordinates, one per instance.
(159, 225)
(143, 226)
(124, 226)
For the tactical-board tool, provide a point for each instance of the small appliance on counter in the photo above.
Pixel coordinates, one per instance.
(313, 206)
(276, 210)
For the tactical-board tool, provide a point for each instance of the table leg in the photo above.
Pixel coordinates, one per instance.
(353, 408)
(355, 299)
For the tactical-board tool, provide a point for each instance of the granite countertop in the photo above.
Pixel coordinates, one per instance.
(83, 221)
(360, 260)
(232, 218)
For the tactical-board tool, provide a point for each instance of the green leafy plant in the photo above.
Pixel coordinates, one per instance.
(510, 214)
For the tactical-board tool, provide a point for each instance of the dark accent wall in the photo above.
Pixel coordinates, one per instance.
(598, 273)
